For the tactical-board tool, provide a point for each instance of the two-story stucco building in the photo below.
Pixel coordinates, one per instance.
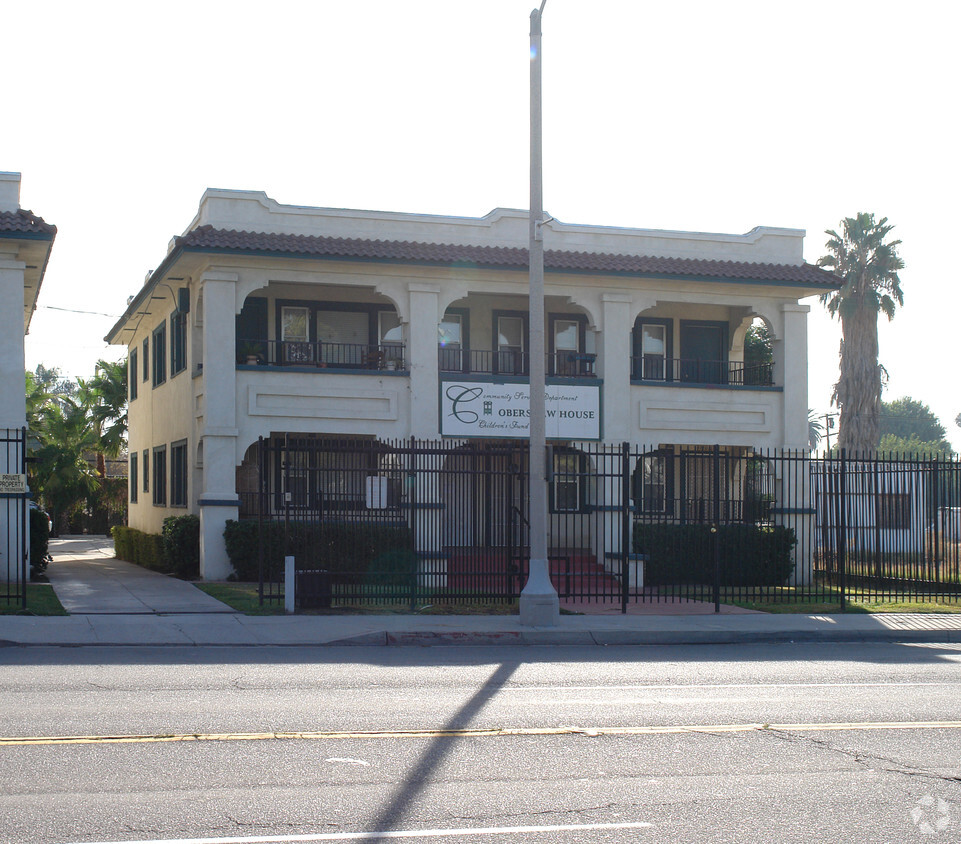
(267, 319)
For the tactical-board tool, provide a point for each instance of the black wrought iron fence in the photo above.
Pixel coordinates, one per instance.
(14, 530)
(414, 522)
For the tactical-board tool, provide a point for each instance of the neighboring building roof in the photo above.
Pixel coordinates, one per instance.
(209, 239)
(19, 223)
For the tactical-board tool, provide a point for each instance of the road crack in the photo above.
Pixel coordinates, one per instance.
(866, 759)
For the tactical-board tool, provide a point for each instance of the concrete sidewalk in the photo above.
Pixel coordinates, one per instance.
(113, 603)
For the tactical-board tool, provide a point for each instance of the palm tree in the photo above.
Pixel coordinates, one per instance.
(868, 268)
(105, 397)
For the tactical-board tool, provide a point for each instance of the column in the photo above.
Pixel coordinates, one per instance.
(218, 499)
(422, 344)
(13, 411)
(13, 408)
(795, 474)
(793, 364)
(616, 367)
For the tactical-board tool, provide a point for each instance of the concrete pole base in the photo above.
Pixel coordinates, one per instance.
(539, 605)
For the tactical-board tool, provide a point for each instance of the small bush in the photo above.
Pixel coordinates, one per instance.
(39, 541)
(749, 555)
(181, 543)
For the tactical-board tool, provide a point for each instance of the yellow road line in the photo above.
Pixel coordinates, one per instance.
(20, 741)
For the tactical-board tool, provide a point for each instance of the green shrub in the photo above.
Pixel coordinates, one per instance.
(181, 542)
(749, 555)
(353, 553)
(39, 541)
(143, 549)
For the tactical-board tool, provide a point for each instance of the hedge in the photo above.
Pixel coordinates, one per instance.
(175, 551)
(353, 553)
(39, 541)
(143, 549)
(749, 555)
(181, 543)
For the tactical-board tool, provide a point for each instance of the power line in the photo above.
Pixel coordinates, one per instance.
(74, 311)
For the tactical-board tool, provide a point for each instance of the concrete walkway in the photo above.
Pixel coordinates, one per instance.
(89, 580)
(114, 603)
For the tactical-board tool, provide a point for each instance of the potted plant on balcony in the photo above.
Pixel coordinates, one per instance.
(252, 353)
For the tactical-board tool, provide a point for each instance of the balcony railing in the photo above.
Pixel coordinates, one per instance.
(512, 362)
(322, 355)
(693, 371)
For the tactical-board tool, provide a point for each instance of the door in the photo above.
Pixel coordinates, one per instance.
(704, 352)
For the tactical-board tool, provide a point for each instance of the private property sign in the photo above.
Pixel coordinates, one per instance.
(13, 483)
(487, 409)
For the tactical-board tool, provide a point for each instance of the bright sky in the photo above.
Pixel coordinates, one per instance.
(700, 116)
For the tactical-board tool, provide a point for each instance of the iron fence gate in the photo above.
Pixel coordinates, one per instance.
(414, 522)
(14, 533)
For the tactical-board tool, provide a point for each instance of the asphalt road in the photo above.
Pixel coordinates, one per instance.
(776, 743)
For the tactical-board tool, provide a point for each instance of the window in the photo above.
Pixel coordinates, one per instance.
(160, 354)
(160, 476)
(391, 338)
(134, 480)
(178, 343)
(893, 510)
(146, 471)
(567, 335)
(567, 492)
(510, 345)
(146, 358)
(132, 374)
(178, 474)
(652, 350)
(651, 487)
(295, 334)
(450, 341)
(344, 337)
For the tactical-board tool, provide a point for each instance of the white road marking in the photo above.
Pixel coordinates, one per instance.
(406, 833)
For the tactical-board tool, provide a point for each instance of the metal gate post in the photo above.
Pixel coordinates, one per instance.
(843, 532)
(261, 475)
(412, 478)
(627, 540)
(715, 529)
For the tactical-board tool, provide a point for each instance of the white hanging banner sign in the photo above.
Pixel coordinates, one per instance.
(486, 409)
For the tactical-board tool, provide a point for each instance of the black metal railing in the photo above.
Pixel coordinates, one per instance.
(565, 364)
(321, 355)
(694, 371)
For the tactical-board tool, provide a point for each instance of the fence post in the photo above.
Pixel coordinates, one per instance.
(935, 498)
(843, 531)
(412, 478)
(715, 529)
(627, 540)
(261, 475)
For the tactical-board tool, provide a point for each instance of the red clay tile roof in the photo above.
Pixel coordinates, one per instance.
(24, 222)
(206, 238)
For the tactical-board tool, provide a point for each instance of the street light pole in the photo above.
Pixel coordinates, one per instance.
(539, 603)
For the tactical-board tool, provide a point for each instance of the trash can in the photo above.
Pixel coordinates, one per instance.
(312, 590)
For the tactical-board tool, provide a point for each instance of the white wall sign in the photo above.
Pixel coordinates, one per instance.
(486, 409)
(13, 483)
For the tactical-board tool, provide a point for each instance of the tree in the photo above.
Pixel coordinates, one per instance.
(909, 426)
(868, 267)
(758, 354)
(105, 396)
(76, 424)
(815, 429)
